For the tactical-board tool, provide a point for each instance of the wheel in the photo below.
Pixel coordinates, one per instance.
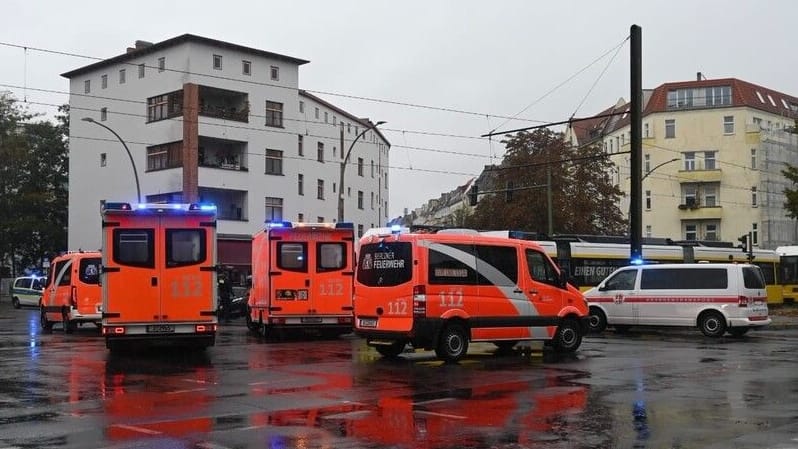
(567, 338)
(391, 350)
(47, 325)
(712, 324)
(251, 324)
(739, 331)
(453, 343)
(505, 345)
(15, 302)
(70, 326)
(597, 321)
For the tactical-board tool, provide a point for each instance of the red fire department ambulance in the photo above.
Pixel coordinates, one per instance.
(159, 273)
(302, 278)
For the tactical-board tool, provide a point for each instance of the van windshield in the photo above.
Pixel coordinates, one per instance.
(385, 264)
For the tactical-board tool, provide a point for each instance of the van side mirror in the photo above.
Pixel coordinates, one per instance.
(602, 288)
(563, 279)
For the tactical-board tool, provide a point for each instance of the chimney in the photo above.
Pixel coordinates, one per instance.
(143, 44)
(698, 76)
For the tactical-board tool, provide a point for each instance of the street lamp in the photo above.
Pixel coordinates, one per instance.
(132, 163)
(345, 161)
(656, 167)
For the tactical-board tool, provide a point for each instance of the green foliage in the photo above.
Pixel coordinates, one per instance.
(34, 168)
(791, 205)
(584, 198)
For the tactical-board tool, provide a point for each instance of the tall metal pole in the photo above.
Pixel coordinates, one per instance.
(129, 155)
(343, 166)
(636, 146)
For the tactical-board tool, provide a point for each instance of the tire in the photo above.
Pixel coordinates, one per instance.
(739, 331)
(47, 325)
(15, 302)
(712, 324)
(568, 337)
(391, 351)
(70, 326)
(251, 324)
(452, 344)
(597, 321)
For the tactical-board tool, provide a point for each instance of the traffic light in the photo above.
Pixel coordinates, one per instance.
(743, 239)
(472, 195)
(509, 191)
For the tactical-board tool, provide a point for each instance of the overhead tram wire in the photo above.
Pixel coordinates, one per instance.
(589, 91)
(550, 124)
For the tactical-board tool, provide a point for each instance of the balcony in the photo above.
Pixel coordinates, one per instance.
(230, 204)
(223, 104)
(701, 176)
(222, 153)
(695, 212)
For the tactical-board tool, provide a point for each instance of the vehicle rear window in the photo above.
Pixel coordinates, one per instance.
(134, 247)
(683, 278)
(22, 283)
(64, 270)
(752, 278)
(292, 256)
(185, 247)
(89, 270)
(330, 256)
(385, 264)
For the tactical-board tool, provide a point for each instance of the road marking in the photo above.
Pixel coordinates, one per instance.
(137, 429)
(270, 382)
(433, 401)
(443, 415)
(194, 390)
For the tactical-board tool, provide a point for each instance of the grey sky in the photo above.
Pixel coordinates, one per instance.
(493, 58)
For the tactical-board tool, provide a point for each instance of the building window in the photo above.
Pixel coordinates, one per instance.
(754, 233)
(372, 200)
(648, 230)
(300, 145)
(141, 70)
(122, 76)
(648, 199)
(326, 116)
(689, 195)
(360, 199)
(319, 219)
(320, 152)
(274, 114)
(349, 128)
(349, 192)
(274, 162)
(710, 195)
(645, 131)
(690, 232)
(647, 163)
(360, 166)
(372, 169)
(87, 86)
(359, 230)
(385, 209)
(300, 184)
(680, 98)
(161, 64)
(275, 73)
(217, 62)
(103, 159)
(246, 68)
(753, 158)
(320, 189)
(274, 209)
(161, 157)
(711, 232)
(103, 114)
(335, 120)
(753, 197)
(718, 96)
(165, 106)
(300, 217)
(728, 124)
(610, 145)
(301, 107)
(670, 129)
(317, 113)
(104, 81)
(689, 161)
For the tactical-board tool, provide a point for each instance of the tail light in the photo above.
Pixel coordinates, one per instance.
(202, 328)
(419, 301)
(73, 297)
(113, 330)
(743, 301)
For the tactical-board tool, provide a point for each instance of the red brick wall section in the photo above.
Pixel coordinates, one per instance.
(190, 143)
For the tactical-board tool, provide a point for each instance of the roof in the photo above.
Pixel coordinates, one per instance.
(362, 121)
(184, 38)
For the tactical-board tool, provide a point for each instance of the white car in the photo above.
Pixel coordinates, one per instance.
(26, 291)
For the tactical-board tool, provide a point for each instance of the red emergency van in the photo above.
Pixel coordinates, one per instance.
(71, 296)
(159, 274)
(442, 290)
(302, 278)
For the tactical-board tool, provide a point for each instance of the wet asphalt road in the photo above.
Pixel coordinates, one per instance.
(651, 389)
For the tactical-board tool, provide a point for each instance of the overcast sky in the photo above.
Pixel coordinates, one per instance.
(490, 58)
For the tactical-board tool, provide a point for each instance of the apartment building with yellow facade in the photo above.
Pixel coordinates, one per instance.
(713, 152)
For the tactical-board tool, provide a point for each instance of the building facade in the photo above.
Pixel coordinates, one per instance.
(713, 152)
(214, 122)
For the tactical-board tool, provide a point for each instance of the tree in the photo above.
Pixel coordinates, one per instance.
(33, 185)
(791, 173)
(584, 199)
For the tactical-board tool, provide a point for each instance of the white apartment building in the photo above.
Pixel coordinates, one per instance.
(215, 122)
(713, 152)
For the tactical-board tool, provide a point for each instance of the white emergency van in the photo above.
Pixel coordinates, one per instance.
(717, 298)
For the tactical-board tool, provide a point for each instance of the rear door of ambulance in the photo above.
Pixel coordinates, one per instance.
(186, 268)
(289, 276)
(331, 254)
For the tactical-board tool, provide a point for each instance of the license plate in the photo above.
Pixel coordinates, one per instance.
(311, 320)
(302, 294)
(368, 322)
(160, 329)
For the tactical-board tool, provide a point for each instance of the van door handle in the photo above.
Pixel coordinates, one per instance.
(154, 281)
(518, 290)
(533, 292)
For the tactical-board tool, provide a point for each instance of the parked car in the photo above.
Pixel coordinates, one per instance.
(26, 291)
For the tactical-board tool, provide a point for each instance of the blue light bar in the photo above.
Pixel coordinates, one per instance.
(396, 229)
(279, 224)
(636, 261)
(345, 225)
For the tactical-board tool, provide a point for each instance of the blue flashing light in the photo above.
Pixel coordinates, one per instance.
(209, 207)
(345, 225)
(116, 206)
(279, 224)
(636, 261)
(396, 229)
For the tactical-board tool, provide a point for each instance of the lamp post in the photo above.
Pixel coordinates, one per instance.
(132, 163)
(344, 163)
(648, 173)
